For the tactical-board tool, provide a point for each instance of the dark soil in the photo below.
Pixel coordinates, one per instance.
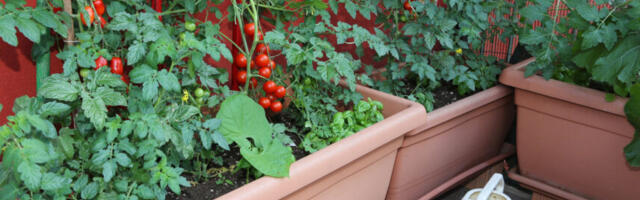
(226, 182)
(519, 54)
(447, 94)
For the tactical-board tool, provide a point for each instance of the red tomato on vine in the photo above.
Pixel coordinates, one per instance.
(265, 72)
(89, 10)
(117, 66)
(269, 87)
(249, 29)
(276, 106)
(264, 102)
(100, 62)
(262, 60)
(280, 92)
(240, 60)
(99, 5)
(241, 77)
(262, 49)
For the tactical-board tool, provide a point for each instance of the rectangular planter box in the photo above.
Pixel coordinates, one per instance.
(453, 139)
(571, 138)
(357, 167)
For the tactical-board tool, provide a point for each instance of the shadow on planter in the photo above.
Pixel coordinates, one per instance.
(569, 137)
(454, 139)
(357, 167)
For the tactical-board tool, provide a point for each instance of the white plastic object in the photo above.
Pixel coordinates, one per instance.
(493, 190)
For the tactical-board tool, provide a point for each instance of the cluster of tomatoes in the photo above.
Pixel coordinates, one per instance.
(264, 65)
(116, 64)
(100, 8)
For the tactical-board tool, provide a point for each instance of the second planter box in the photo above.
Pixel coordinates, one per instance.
(454, 138)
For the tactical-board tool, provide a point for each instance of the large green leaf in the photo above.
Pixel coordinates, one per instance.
(8, 31)
(30, 173)
(621, 64)
(58, 88)
(95, 110)
(36, 151)
(243, 119)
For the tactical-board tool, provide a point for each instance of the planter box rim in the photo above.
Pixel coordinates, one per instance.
(514, 76)
(465, 105)
(332, 157)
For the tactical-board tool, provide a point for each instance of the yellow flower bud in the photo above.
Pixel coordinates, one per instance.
(459, 51)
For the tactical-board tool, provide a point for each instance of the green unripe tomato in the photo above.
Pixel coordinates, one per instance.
(182, 36)
(403, 18)
(84, 73)
(199, 100)
(207, 94)
(190, 26)
(199, 92)
(307, 81)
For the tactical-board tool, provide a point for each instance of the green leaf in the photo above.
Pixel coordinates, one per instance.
(183, 113)
(8, 31)
(47, 128)
(242, 118)
(123, 159)
(29, 28)
(65, 141)
(30, 173)
(588, 12)
(141, 74)
(35, 150)
(149, 89)
(218, 138)
(45, 18)
(89, 191)
(104, 77)
(136, 52)
(53, 109)
(95, 110)
(169, 81)
(58, 89)
(109, 170)
(52, 182)
(621, 64)
(110, 97)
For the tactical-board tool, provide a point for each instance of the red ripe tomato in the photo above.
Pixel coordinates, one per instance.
(240, 61)
(265, 72)
(269, 87)
(116, 66)
(253, 65)
(407, 6)
(262, 60)
(271, 97)
(280, 91)
(262, 49)
(102, 21)
(253, 83)
(241, 77)
(272, 65)
(56, 9)
(100, 62)
(89, 10)
(99, 5)
(264, 102)
(249, 29)
(276, 106)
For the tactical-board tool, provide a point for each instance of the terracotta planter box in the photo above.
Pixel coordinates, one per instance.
(571, 138)
(357, 167)
(454, 139)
